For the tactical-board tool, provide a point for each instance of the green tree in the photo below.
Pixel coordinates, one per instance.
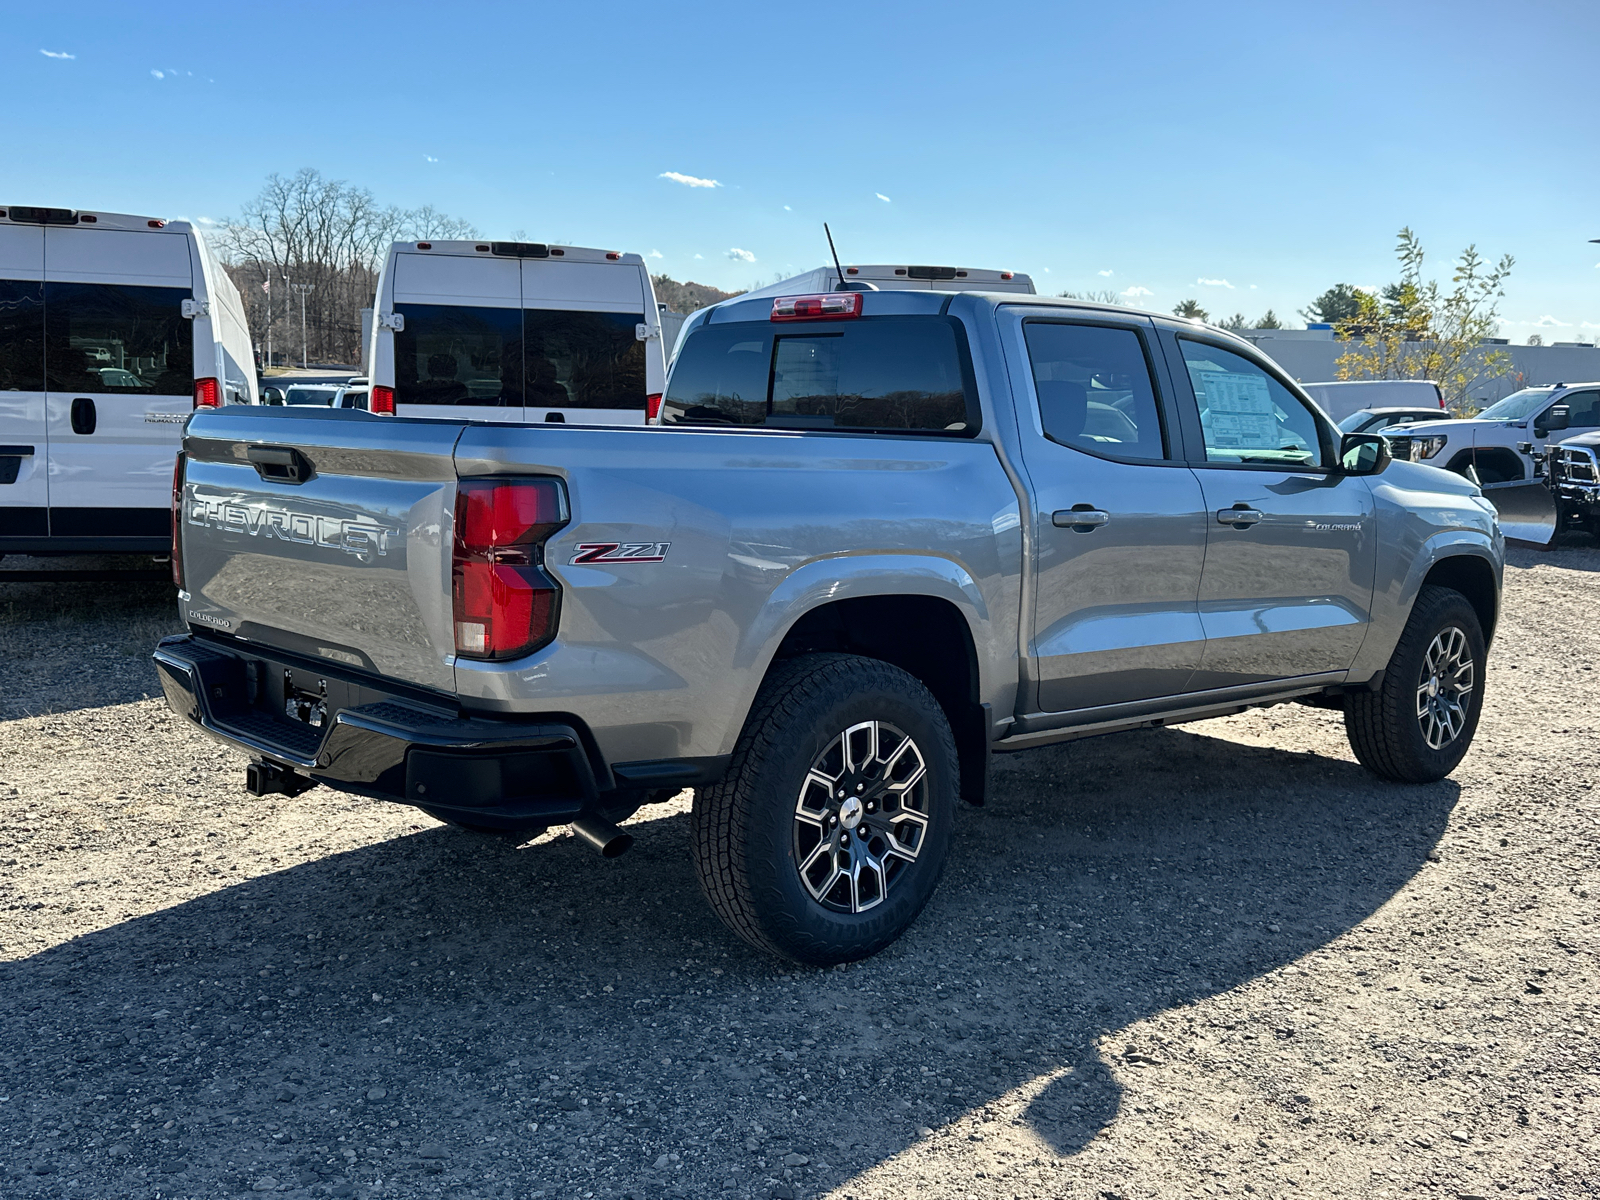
(1339, 303)
(1235, 323)
(1268, 320)
(1419, 329)
(1190, 308)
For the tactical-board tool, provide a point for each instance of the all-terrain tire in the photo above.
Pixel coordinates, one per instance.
(1385, 730)
(744, 828)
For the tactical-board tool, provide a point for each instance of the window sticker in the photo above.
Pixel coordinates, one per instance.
(1241, 412)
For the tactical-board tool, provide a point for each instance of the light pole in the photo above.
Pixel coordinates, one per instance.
(303, 290)
(266, 286)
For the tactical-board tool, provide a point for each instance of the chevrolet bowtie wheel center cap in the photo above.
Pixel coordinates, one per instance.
(851, 812)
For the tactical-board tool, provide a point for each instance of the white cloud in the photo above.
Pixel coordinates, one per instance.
(57, 54)
(1368, 288)
(1046, 270)
(1252, 287)
(1136, 291)
(699, 255)
(786, 208)
(1223, 283)
(1105, 274)
(1549, 322)
(741, 255)
(688, 180)
(430, 158)
(158, 74)
(882, 197)
(655, 254)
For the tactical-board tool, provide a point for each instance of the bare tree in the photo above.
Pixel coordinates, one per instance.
(328, 236)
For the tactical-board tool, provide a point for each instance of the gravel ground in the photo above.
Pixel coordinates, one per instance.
(1215, 960)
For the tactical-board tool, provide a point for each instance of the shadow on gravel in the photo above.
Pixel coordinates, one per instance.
(431, 998)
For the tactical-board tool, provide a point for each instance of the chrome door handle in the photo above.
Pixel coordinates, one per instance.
(1239, 516)
(1080, 520)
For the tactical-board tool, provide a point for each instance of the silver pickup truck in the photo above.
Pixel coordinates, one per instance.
(870, 539)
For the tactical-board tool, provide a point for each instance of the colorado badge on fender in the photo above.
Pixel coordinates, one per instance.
(619, 552)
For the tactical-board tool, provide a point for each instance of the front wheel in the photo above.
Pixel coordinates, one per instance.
(1418, 725)
(830, 830)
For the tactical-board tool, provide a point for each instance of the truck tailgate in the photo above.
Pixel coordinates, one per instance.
(323, 532)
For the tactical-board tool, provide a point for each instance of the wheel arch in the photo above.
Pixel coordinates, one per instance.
(924, 635)
(1474, 577)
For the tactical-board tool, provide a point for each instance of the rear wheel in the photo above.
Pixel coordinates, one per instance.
(829, 833)
(1419, 724)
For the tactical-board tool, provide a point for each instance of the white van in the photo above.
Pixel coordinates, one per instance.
(903, 277)
(1339, 400)
(515, 331)
(113, 328)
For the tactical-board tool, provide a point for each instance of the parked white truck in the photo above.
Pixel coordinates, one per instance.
(113, 329)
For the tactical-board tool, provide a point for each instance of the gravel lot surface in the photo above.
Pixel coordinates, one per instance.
(1215, 960)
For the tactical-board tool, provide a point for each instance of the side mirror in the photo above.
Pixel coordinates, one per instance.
(1363, 453)
(1554, 418)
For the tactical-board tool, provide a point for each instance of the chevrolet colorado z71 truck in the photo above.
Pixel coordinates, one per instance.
(872, 538)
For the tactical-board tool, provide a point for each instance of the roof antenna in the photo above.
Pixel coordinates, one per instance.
(835, 253)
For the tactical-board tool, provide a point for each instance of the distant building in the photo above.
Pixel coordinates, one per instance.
(1311, 355)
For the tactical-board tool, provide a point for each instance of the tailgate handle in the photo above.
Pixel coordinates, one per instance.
(280, 464)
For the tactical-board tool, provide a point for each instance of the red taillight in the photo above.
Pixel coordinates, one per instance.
(612, 256)
(207, 394)
(381, 401)
(652, 406)
(832, 306)
(156, 224)
(505, 605)
(177, 522)
(1005, 274)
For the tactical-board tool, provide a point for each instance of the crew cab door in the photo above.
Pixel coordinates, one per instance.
(1118, 517)
(1290, 541)
(119, 368)
(24, 481)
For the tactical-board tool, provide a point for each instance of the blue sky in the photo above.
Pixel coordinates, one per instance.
(1248, 155)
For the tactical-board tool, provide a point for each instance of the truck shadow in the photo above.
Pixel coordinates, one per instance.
(468, 989)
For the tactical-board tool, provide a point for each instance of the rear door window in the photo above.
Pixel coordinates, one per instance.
(883, 374)
(456, 354)
(21, 335)
(1095, 389)
(583, 359)
(117, 338)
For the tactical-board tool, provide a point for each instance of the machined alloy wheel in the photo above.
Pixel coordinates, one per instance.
(1418, 722)
(1444, 691)
(861, 817)
(828, 833)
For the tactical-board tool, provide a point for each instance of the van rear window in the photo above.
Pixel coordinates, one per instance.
(452, 354)
(883, 374)
(107, 337)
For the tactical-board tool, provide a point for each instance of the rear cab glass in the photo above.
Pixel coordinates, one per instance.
(890, 374)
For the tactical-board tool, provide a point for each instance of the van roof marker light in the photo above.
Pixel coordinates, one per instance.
(828, 306)
(612, 255)
(424, 245)
(88, 218)
(156, 224)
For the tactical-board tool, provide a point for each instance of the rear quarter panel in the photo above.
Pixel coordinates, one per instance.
(663, 659)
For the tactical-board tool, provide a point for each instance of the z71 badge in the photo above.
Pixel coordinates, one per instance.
(619, 552)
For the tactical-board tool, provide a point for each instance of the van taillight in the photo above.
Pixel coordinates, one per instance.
(381, 401)
(177, 522)
(207, 394)
(505, 604)
(652, 406)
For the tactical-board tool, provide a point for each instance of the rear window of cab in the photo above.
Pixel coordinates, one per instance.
(892, 374)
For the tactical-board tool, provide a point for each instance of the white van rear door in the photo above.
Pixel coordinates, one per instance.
(119, 373)
(458, 352)
(24, 481)
(583, 360)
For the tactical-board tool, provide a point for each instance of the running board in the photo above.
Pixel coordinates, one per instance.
(1217, 707)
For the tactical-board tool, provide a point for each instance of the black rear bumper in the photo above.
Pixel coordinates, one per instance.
(381, 744)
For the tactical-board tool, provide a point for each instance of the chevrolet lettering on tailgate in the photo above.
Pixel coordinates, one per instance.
(363, 539)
